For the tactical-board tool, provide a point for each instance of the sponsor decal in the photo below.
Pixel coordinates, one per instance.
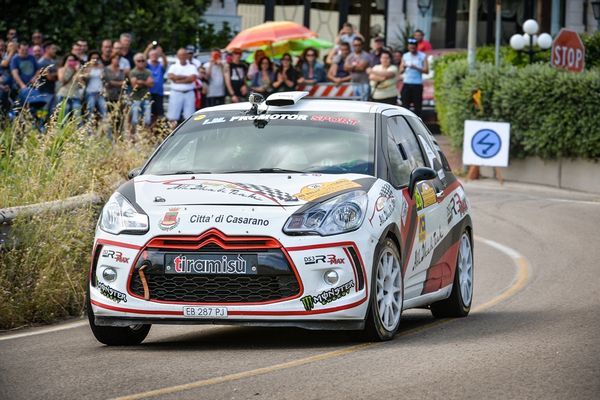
(327, 296)
(199, 117)
(316, 190)
(427, 194)
(422, 251)
(422, 228)
(384, 205)
(418, 200)
(456, 206)
(335, 120)
(115, 255)
(111, 293)
(230, 219)
(325, 259)
(255, 192)
(170, 220)
(404, 212)
(224, 265)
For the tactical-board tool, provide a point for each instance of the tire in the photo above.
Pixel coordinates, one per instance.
(458, 304)
(116, 335)
(387, 294)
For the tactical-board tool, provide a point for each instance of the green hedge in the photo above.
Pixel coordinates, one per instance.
(552, 113)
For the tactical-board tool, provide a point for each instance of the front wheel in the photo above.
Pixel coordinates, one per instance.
(385, 306)
(459, 302)
(116, 335)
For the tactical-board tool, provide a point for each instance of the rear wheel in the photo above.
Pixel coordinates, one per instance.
(459, 302)
(385, 306)
(117, 335)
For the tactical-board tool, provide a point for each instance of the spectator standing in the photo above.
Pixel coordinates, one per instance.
(94, 78)
(5, 79)
(235, 80)
(141, 81)
(346, 34)
(157, 64)
(215, 73)
(378, 47)
(414, 65)
(36, 40)
(383, 78)
(23, 67)
(49, 74)
(124, 63)
(191, 50)
(311, 69)
(356, 64)
(106, 52)
(253, 69)
(126, 51)
(114, 81)
(82, 44)
(422, 44)
(337, 74)
(181, 99)
(263, 79)
(36, 52)
(286, 76)
(397, 58)
(70, 91)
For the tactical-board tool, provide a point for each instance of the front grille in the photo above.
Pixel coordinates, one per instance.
(216, 289)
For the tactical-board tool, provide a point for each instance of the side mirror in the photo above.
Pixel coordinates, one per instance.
(418, 175)
(133, 173)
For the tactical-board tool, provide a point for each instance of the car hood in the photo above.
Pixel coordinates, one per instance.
(244, 189)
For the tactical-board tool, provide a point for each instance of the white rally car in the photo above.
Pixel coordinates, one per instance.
(321, 214)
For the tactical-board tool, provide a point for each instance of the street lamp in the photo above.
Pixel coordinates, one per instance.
(529, 39)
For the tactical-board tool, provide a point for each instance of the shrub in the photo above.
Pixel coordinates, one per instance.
(552, 113)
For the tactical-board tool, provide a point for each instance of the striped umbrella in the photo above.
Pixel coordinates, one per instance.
(269, 33)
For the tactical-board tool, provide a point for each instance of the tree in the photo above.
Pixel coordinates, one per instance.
(172, 23)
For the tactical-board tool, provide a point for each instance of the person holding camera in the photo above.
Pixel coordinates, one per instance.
(157, 64)
(93, 75)
(215, 74)
(70, 80)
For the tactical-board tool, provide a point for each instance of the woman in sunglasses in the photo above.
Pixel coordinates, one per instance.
(311, 69)
(286, 75)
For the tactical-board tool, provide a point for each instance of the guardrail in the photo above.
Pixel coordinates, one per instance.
(8, 215)
(330, 91)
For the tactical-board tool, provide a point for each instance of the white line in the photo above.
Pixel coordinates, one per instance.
(595, 203)
(62, 327)
(500, 247)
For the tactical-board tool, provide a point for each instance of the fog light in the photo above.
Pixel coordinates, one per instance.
(331, 277)
(109, 274)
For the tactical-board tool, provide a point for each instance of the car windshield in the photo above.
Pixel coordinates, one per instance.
(230, 142)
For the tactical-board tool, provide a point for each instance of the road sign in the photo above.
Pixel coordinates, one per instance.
(486, 143)
(568, 51)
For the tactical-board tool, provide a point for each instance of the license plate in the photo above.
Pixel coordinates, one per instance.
(211, 264)
(205, 312)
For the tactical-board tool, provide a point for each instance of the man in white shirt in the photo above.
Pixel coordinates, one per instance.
(181, 99)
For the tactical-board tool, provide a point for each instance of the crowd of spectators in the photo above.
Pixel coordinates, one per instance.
(97, 81)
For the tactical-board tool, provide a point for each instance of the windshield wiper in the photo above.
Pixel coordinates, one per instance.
(266, 171)
(187, 172)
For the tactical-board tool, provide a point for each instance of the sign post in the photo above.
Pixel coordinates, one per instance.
(486, 144)
(568, 51)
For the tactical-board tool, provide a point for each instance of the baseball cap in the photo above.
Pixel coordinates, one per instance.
(412, 41)
(190, 49)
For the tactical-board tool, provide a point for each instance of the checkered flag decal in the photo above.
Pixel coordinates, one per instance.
(386, 191)
(270, 192)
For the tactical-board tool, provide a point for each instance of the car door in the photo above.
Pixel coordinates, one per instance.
(419, 213)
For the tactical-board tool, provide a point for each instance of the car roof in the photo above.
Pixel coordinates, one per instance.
(307, 104)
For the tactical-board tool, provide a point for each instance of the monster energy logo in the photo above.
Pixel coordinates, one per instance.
(327, 296)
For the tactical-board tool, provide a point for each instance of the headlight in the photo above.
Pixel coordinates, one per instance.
(119, 216)
(341, 214)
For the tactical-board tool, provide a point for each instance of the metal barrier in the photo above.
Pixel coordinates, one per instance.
(330, 91)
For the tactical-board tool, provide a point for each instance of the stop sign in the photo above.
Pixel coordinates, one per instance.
(568, 51)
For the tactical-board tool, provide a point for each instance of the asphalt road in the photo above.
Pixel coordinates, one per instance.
(534, 331)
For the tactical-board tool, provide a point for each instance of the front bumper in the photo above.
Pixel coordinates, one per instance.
(317, 305)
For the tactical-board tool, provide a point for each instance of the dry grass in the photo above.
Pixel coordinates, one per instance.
(43, 271)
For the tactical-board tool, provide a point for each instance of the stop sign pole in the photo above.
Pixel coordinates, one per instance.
(568, 51)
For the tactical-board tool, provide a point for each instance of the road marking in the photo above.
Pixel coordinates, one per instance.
(523, 272)
(62, 327)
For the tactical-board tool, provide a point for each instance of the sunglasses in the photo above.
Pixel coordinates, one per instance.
(311, 55)
(140, 61)
(286, 59)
